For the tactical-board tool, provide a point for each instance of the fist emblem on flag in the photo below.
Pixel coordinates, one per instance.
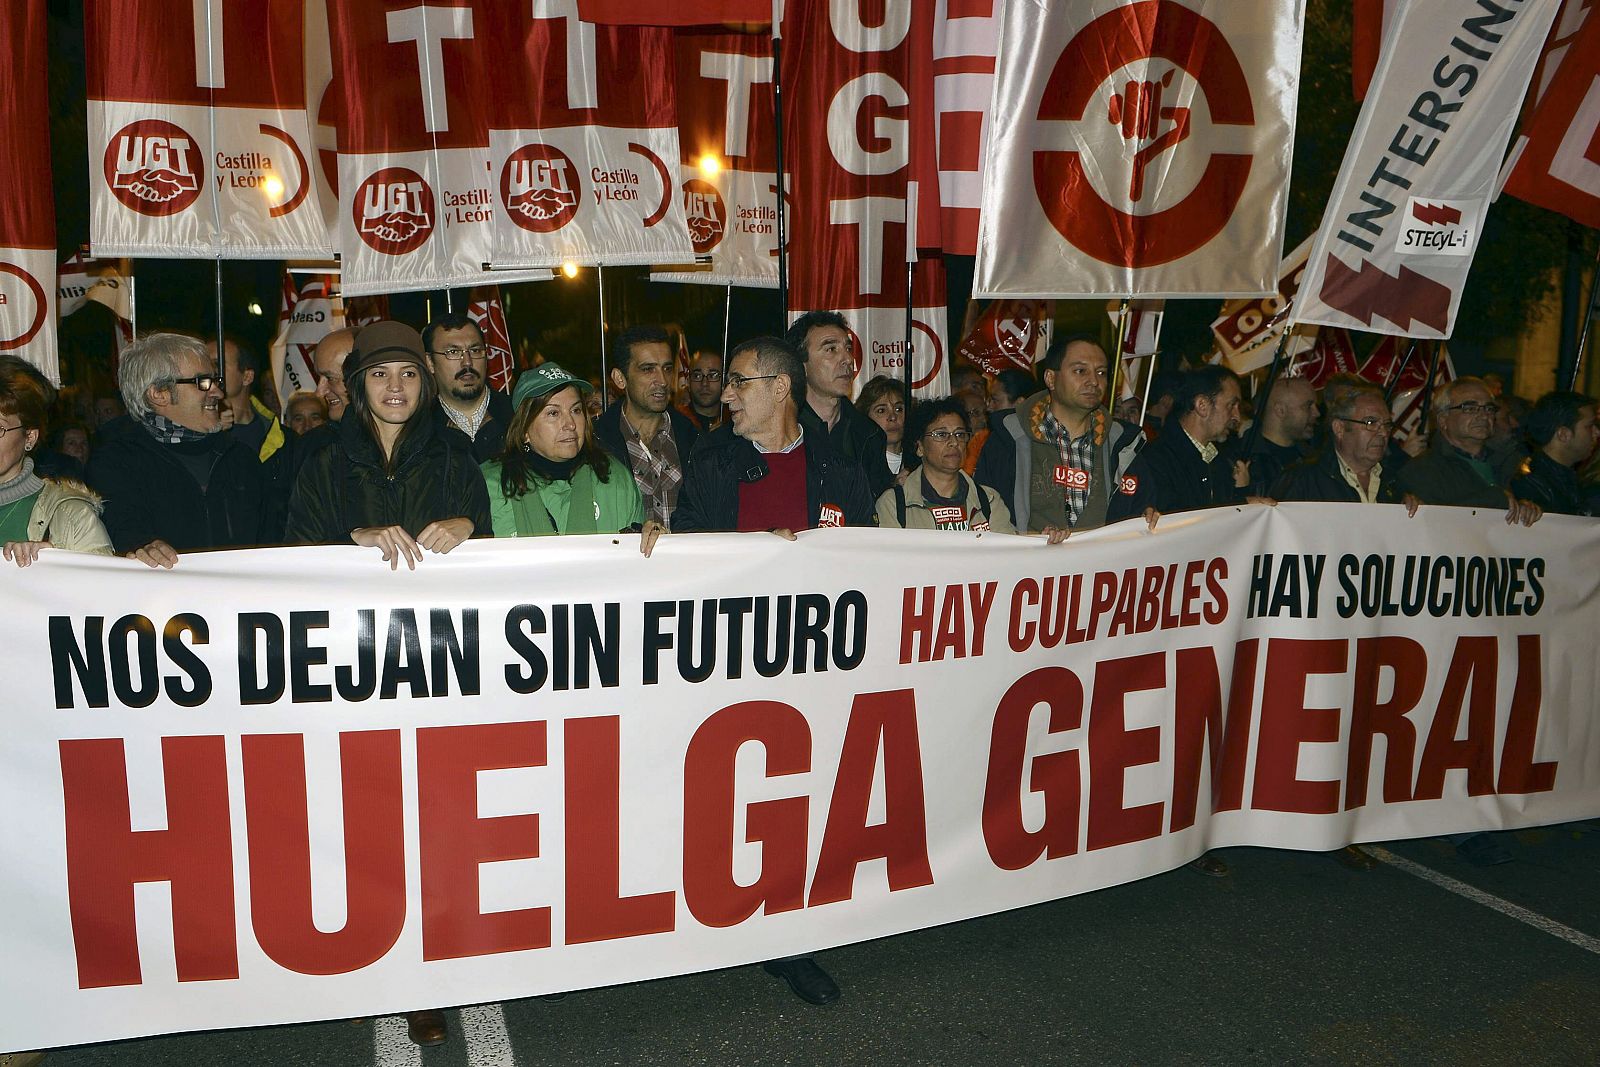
(394, 211)
(539, 188)
(154, 167)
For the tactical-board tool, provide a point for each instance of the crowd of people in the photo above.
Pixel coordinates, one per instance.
(405, 449)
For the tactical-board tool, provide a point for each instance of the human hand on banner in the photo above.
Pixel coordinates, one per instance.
(649, 534)
(393, 541)
(1241, 473)
(155, 554)
(1054, 535)
(445, 534)
(1265, 501)
(24, 552)
(1525, 512)
(786, 534)
(1412, 502)
(1151, 517)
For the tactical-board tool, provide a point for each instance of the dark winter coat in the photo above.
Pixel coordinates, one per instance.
(1318, 478)
(1172, 477)
(722, 460)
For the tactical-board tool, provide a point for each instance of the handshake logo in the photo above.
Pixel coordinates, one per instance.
(539, 188)
(394, 211)
(154, 168)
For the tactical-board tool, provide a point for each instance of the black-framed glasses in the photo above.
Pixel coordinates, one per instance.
(739, 381)
(1472, 407)
(705, 376)
(456, 353)
(8, 429)
(1371, 422)
(942, 436)
(203, 382)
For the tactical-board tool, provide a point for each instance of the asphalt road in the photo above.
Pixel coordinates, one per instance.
(1292, 959)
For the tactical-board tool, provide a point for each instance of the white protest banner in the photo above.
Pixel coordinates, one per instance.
(1406, 212)
(27, 210)
(227, 799)
(1140, 148)
(199, 142)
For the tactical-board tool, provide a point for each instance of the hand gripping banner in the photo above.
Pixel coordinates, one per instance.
(858, 109)
(417, 199)
(1403, 222)
(583, 140)
(27, 209)
(227, 799)
(199, 144)
(1140, 148)
(725, 132)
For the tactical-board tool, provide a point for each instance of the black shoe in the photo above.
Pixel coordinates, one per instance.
(1481, 850)
(426, 1028)
(1210, 866)
(807, 981)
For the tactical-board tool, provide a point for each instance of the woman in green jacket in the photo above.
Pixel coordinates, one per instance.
(553, 477)
(35, 512)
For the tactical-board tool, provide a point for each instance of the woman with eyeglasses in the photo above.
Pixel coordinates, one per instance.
(393, 480)
(938, 495)
(883, 400)
(38, 513)
(553, 477)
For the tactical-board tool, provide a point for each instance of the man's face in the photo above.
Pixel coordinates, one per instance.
(1079, 385)
(329, 360)
(1219, 415)
(1468, 422)
(460, 363)
(830, 362)
(238, 384)
(705, 380)
(1577, 443)
(106, 408)
(1296, 404)
(1360, 445)
(648, 379)
(304, 415)
(754, 407)
(185, 403)
(977, 406)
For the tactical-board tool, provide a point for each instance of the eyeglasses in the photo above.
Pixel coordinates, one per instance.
(1472, 407)
(948, 435)
(455, 353)
(1371, 422)
(705, 376)
(739, 381)
(7, 429)
(203, 382)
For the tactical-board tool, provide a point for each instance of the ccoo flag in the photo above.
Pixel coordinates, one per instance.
(1400, 229)
(1140, 148)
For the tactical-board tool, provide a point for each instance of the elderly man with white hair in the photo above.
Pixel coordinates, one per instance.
(1456, 471)
(172, 481)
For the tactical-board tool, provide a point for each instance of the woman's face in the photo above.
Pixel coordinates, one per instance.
(557, 433)
(945, 453)
(14, 445)
(75, 443)
(889, 412)
(393, 390)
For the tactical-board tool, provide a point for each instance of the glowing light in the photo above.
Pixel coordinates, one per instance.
(272, 185)
(254, 308)
(570, 269)
(710, 166)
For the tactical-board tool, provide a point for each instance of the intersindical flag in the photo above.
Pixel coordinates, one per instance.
(1140, 148)
(27, 206)
(583, 135)
(199, 143)
(1400, 229)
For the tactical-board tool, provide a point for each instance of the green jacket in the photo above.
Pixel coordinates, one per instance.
(614, 504)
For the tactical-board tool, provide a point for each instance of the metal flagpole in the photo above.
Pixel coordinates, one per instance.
(1394, 382)
(777, 124)
(727, 325)
(1588, 323)
(1150, 376)
(1265, 395)
(911, 266)
(222, 355)
(212, 81)
(605, 377)
(1427, 388)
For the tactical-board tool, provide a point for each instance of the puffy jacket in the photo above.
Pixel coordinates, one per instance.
(150, 495)
(616, 502)
(343, 487)
(67, 514)
(723, 460)
(911, 499)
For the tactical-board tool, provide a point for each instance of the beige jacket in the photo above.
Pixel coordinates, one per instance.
(67, 514)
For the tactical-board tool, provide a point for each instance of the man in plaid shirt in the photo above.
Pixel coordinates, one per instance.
(643, 430)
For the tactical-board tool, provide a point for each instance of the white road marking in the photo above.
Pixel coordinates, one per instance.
(1489, 900)
(390, 1045)
(488, 1044)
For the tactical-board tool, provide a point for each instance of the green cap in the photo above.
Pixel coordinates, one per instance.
(543, 379)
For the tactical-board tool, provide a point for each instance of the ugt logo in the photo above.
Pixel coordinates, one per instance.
(539, 188)
(708, 216)
(154, 167)
(394, 211)
(1152, 56)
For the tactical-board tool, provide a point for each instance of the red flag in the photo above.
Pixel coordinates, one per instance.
(674, 12)
(27, 210)
(1388, 359)
(1558, 160)
(485, 309)
(1369, 25)
(1005, 335)
(966, 38)
(1332, 353)
(311, 310)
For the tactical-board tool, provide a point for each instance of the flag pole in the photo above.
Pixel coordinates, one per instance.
(1394, 382)
(222, 354)
(727, 326)
(605, 377)
(1588, 323)
(777, 129)
(1266, 392)
(1116, 364)
(911, 266)
(1427, 388)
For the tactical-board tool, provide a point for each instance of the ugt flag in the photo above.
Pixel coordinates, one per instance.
(1407, 210)
(27, 208)
(1140, 148)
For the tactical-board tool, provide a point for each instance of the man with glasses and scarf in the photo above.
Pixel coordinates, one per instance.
(172, 482)
(1456, 471)
(459, 359)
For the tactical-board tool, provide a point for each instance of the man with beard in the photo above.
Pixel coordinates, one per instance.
(459, 359)
(1287, 424)
(824, 341)
(704, 404)
(644, 431)
(172, 481)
